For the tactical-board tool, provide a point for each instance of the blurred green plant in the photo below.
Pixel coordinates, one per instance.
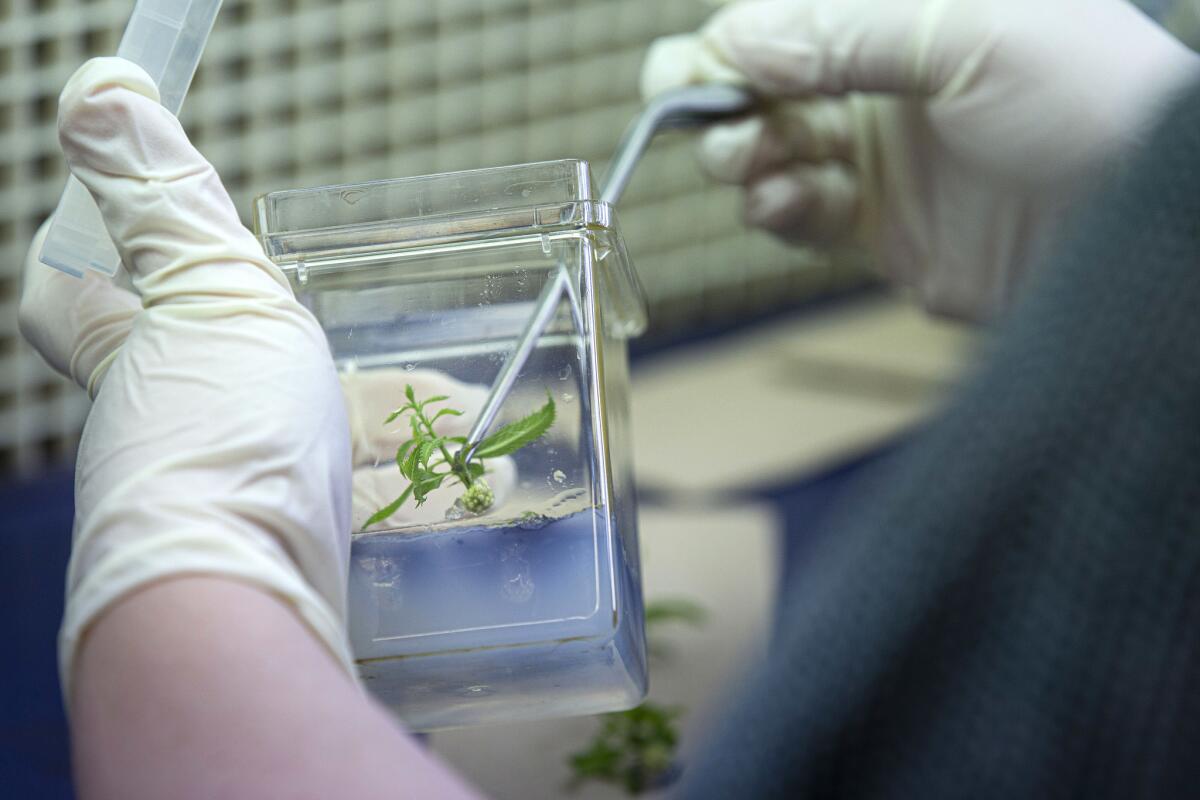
(636, 749)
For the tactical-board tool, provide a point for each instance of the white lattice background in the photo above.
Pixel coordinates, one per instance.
(304, 92)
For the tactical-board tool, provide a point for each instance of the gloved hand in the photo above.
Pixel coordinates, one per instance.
(217, 443)
(952, 136)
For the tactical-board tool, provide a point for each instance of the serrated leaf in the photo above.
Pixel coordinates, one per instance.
(410, 463)
(389, 509)
(408, 392)
(515, 435)
(392, 417)
(426, 450)
(427, 484)
(402, 450)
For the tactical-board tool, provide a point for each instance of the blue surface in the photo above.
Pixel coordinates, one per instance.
(36, 536)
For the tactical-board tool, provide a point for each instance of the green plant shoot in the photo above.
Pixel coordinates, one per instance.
(426, 460)
(636, 749)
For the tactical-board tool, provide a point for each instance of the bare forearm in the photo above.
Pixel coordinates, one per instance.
(203, 687)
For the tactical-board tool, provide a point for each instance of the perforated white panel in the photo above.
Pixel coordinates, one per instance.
(305, 92)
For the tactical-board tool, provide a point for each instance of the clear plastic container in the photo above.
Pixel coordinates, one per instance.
(533, 609)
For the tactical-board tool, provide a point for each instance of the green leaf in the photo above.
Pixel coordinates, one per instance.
(391, 417)
(403, 450)
(675, 610)
(599, 760)
(427, 484)
(426, 450)
(408, 392)
(445, 412)
(515, 435)
(410, 463)
(389, 509)
(437, 399)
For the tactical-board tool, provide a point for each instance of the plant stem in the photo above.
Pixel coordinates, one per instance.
(460, 471)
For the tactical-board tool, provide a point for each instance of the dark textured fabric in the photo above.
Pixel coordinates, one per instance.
(1012, 609)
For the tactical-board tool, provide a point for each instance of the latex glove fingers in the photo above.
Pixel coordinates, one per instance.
(372, 395)
(1003, 79)
(376, 487)
(971, 126)
(805, 203)
(742, 151)
(790, 49)
(134, 157)
(75, 324)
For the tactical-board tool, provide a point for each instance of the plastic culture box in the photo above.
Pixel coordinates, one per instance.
(533, 608)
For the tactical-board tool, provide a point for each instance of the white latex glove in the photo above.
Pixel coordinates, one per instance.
(223, 449)
(952, 136)
(217, 443)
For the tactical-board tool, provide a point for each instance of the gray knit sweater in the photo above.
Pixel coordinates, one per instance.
(1011, 608)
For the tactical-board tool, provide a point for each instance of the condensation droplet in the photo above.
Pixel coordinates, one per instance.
(559, 476)
(567, 397)
(409, 367)
(564, 373)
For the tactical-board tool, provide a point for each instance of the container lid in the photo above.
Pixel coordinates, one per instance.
(428, 209)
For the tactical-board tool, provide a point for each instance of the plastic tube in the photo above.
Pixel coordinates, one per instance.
(165, 38)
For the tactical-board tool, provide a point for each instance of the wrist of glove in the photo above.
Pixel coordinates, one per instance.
(953, 137)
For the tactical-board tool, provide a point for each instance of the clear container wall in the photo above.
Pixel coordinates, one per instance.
(532, 609)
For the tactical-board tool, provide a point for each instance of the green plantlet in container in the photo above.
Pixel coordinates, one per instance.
(426, 461)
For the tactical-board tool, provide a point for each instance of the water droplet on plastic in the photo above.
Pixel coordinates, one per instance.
(567, 397)
(559, 476)
(564, 373)
(409, 367)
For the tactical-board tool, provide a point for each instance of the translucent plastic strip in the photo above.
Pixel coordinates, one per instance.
(165, 38)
